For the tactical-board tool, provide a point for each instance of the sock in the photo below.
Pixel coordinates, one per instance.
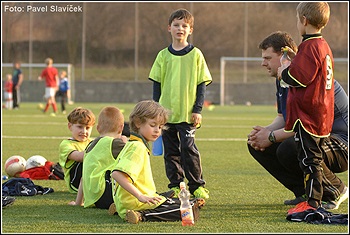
(54, 106)
(46, 107)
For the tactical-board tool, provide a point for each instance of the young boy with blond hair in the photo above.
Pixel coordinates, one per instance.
(310, 102)
(134, 191)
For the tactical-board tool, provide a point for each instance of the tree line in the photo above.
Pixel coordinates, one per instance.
(111, 32)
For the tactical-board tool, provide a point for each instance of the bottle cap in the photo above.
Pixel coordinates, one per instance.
(182, 185)
(284, 49)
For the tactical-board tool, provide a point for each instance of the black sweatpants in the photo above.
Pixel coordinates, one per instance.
(16, 96)
(320, 181)
(281, 161)
(64, 99)
(181, 156)
(168, 211)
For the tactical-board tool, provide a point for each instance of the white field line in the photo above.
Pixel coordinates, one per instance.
(205, 118)
(236, 118)
(34, 123)
(36, 116)
(65, 137)
(65, 124)
(34, 137)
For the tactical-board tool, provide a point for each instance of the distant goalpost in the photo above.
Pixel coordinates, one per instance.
(69, 68)
(244, 65)
(223, 61)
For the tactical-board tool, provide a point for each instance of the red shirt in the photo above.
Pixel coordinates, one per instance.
(8, 86)
(50, 74)
(312, 103)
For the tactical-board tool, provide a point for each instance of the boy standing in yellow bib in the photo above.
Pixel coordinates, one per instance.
(180, 76)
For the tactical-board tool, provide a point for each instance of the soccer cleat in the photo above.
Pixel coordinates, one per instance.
(46, 191)
(333, 205)
(200, 202)
(296, 200)
(7, 201)
(201, 192)
(133, 217)
(300, 207)
(176, 191)
(112, 210)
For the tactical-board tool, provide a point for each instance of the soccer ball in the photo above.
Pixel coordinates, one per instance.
(15, 165)
(40, 106)
(34, 161)
(211, 107)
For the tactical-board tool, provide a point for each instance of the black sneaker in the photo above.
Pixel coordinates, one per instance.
(168, 194)
(7, 201)
(296, 200)
(333, 205)
(48, 190)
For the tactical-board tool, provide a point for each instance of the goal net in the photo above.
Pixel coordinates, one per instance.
(237, 70)
(248, 70)
(32, 71)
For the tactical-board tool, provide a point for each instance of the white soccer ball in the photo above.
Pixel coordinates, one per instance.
(35, 161)
(15, 165)
(41, 106)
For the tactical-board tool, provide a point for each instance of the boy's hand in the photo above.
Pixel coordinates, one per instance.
(149, 200)
(197, 119)
(124, 138)
(291, 53)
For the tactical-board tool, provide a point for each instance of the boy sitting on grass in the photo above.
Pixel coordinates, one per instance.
(71, 150)
(135, 196)
(99, 158)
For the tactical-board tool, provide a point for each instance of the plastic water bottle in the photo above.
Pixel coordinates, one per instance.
(285, 62)
(157, 147)
(185, 207)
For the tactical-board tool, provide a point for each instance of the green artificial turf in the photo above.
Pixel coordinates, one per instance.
(244, 198)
